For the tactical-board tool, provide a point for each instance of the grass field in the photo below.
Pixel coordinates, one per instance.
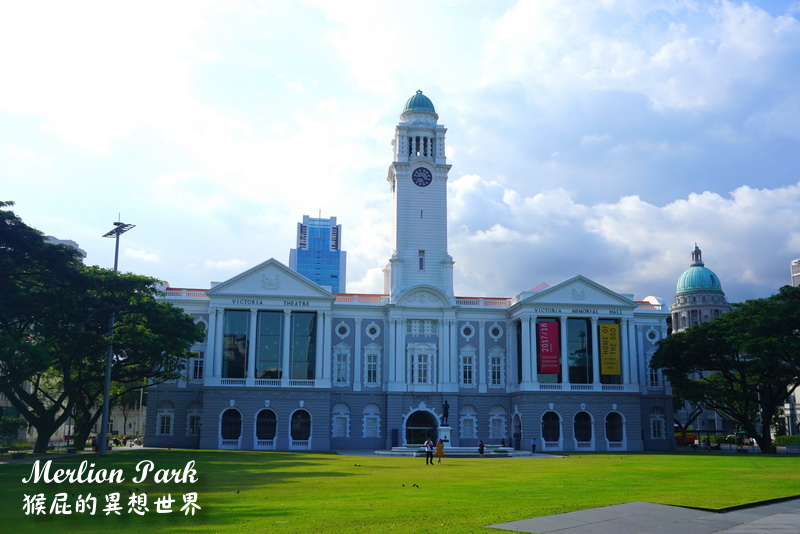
(313, 492)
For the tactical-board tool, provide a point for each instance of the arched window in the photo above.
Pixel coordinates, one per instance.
(301, 425)
(582, 426)
(266, 425)
(551, 427)
(231, 424)
(614, 427)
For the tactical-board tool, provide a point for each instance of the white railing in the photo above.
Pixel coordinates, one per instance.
(186, 293)
(616, 445)
(301, 444)
(264, 444)
(583, 445)
(650, 307)
(482, 302)
(232, 381)
(301, 383)
(268, 382)
(581, 387)
(230, 444)
(362, 299)
(613, 387)
(551, 387)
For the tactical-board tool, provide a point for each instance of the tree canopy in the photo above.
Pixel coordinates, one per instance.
(743, 364)
(54, 330)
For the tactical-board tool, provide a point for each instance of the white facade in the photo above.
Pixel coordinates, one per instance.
(288, 365)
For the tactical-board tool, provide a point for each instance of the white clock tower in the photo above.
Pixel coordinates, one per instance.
(418, 177)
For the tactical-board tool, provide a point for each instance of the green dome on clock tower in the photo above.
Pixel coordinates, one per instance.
(419, 102)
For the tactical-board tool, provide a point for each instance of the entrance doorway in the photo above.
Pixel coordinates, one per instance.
(420, 426)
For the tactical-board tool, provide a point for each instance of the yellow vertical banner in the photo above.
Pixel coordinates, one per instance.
(609, 349)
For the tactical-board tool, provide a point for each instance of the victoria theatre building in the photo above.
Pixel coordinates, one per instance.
(288, 365)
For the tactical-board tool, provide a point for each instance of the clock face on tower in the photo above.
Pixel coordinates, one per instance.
(421, 177)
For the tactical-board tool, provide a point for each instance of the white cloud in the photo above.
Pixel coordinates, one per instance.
(230, 266)
(631, 246)
(141, 255)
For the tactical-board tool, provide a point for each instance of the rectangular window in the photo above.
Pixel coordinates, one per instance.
(197, 369)
(468, 427)
(304, 345)
(655, 377)
(496, 371)
(657, 428)
(371, 427)
(194, 425)
(339, 427)
(579, 345)
(235, 343)
(421, 260)
(165, 425)
(428, 327)
(341, 368)
(467, 370)
(372, 369)
(496, 428)
(421, 369)
(269, 345)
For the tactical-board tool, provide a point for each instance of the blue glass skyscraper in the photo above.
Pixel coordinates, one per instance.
(318, 255)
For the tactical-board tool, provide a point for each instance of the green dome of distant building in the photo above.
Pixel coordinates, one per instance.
(419, 102)
(698, 278)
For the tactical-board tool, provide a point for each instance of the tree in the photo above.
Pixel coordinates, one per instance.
(54, 330)
(743, 364)
(10, 427)
(33, 274)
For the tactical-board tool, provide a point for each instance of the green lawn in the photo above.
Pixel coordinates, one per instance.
(312, 492)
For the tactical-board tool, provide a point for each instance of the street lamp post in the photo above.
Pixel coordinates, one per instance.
(119, 229)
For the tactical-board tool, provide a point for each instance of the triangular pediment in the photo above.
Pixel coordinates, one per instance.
(577, 292)
(270, 279)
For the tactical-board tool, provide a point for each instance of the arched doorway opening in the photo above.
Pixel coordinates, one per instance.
(421, 425)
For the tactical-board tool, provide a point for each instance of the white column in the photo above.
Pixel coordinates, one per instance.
(358, 357)
(400, 353)
(443, 360)
(319, 353)
(220, 343)
(564, 350)
(212, 353)
(250, 373)
(513, 356)
(630, 353)
(452, 333)
(389, 355)
(483, 374)
(595, 352)
(534, 351)
(525, 324)
(287, 347)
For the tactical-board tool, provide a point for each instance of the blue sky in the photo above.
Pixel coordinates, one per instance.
(593, 137)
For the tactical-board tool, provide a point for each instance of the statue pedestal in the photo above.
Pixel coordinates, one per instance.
(444, 434)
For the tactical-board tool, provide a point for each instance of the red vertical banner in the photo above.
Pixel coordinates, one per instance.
(549, 347)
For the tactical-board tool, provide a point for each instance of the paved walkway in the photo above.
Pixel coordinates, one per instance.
(647, 518)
